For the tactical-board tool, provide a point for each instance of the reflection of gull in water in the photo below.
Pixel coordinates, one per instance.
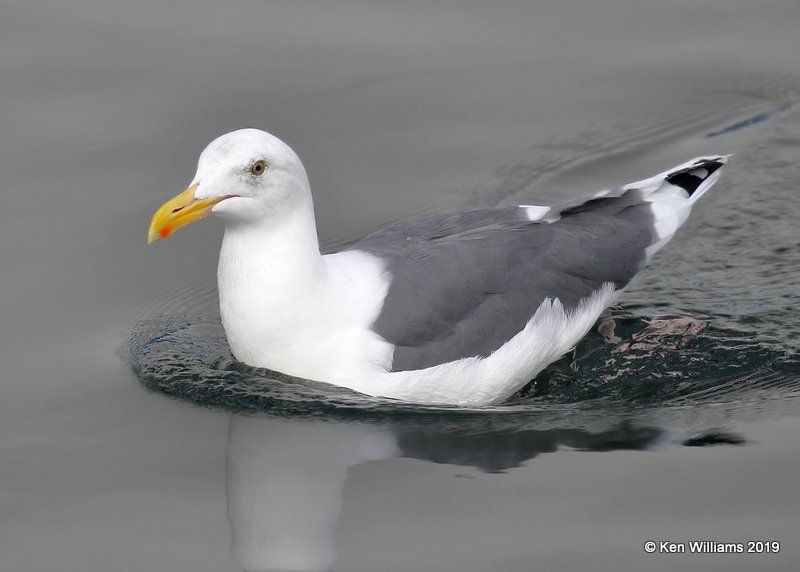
(285, 477)
(284, 483)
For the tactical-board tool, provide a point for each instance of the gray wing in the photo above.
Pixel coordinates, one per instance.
(458, 291)
(464, 284)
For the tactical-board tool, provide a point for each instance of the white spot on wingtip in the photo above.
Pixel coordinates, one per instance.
(535, 212)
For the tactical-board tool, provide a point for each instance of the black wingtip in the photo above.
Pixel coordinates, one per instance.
(690, 178)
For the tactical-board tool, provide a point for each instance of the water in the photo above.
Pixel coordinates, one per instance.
(684, 430)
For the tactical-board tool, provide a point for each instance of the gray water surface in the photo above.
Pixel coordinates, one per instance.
(130, 441)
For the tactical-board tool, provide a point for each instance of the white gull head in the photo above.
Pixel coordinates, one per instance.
(258, 175)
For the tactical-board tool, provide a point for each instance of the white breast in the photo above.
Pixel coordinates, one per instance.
(304, 316)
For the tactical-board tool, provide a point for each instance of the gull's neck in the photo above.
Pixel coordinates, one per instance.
(269, 277)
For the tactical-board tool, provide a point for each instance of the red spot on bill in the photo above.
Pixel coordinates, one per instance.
(165, 232)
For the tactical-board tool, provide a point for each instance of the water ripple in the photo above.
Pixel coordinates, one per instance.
(665, 364)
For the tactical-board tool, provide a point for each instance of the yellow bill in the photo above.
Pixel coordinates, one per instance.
(178, 212)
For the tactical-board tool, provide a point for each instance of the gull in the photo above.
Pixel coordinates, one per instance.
(458, 309)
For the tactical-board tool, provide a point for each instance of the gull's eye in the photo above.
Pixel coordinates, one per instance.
(258, 167)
